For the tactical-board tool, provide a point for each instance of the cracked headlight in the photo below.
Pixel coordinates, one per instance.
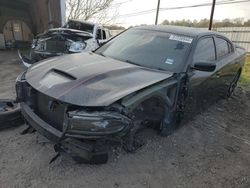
(77, 46)
(40, 46)
(96, 123)
(33, 45)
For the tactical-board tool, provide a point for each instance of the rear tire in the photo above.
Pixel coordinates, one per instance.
(233, 84)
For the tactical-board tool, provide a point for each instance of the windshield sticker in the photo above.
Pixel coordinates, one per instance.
(169, 61)
(181, 38)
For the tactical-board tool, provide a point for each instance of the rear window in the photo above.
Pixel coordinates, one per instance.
(222, 47)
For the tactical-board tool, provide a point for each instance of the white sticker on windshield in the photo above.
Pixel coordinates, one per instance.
(169, 61)
(181, 38)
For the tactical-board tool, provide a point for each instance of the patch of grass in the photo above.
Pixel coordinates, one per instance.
(245, 75)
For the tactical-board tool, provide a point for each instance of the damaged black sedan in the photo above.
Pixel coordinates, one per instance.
(145, 77)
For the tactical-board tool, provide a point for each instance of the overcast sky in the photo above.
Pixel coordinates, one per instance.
(133, 6)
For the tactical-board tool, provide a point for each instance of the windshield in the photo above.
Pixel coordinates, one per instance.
(152, 49)
(79, 26)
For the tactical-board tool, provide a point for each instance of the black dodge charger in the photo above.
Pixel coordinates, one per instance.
(150, 76)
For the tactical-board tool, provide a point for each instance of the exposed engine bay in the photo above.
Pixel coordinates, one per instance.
(74, 37)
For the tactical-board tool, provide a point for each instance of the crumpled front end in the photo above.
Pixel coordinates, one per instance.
(56, 43)
(82, 132)
(92, 107)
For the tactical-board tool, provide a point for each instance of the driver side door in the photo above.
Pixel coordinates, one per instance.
(202, 85)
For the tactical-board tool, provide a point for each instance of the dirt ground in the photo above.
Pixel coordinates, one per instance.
(213, 150)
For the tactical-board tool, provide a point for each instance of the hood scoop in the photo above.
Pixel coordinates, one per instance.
(65, 74)
(55, 77)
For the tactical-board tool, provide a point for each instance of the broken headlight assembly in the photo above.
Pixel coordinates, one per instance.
(77, 46)
(33, 44)
(96, 123)
(40, 46)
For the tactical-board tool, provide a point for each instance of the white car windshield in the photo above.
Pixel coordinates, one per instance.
(80, 26)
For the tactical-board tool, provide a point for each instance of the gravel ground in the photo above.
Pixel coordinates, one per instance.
(212, 150)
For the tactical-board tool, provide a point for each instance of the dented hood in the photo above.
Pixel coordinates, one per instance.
(65, 32)
(88, 79)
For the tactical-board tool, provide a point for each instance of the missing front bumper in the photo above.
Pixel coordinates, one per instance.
(83, 151)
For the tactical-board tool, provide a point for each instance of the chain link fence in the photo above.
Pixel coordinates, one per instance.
(238, 35)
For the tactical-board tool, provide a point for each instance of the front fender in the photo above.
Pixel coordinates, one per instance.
(159, 90)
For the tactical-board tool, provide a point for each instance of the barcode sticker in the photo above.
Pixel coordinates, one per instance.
(181, 38)
(169, 61)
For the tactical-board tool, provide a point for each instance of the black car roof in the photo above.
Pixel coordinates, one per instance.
(187, 31)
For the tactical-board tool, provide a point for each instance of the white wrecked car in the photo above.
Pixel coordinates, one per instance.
(74, 37)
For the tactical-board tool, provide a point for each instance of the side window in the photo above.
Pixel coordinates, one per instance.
(230, 47)
(222, 47)
(99, 34)
(104, 34)
(205, 50)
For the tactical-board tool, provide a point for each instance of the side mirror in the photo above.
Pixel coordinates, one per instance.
(101, 42)
(204, 66)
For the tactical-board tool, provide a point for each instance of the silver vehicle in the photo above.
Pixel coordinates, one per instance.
(74, 37)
